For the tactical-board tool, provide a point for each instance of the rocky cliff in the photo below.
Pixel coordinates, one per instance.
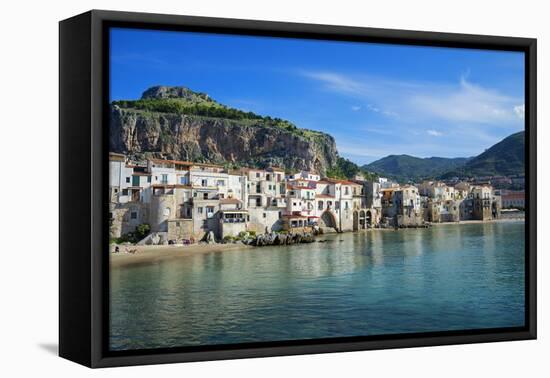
(138, 129)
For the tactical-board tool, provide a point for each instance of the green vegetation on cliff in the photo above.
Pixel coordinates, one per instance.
(199, 104)
(178, 123)
(346, 169)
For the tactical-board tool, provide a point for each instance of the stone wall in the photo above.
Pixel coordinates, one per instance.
(179, 229)
(125, 217)
(232, 229)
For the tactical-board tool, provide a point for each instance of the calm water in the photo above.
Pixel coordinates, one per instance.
(447, 277)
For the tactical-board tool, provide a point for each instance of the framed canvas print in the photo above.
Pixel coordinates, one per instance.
(233, 188)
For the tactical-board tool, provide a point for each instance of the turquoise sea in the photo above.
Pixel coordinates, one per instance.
(447, 277)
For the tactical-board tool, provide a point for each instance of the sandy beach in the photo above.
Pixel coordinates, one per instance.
(148, 254)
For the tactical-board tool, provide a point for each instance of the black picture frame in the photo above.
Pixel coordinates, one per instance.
(83, 243)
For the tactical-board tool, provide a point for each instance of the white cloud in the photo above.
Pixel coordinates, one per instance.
(434, 133)
(466, 102)
(520, 111)
(460, 102)
(355, 108)
(373, 108)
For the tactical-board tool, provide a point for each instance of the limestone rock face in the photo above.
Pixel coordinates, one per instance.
(163, 92)
(141, 134)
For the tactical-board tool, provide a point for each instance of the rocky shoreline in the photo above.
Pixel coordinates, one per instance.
(279, 239)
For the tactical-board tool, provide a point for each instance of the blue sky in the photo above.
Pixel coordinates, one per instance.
(375, 99)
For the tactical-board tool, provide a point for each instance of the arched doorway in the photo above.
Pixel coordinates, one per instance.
(327, 220)
(369, 218)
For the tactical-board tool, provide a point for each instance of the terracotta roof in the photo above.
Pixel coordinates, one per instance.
(298, 187)
(171, 186)
(336, 181)
(324, 196)
(188, 163)
(230, 201)
(179, 162)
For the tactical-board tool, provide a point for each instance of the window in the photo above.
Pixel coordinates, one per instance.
(264, 215)
(164, 179)
(110, 215)
(195, 194)
(280, 215)
(220, 183)
(205, 196)
(149, 179)
(183, 180)
(204, 182)
(337, 205)
(116, 190)
(257, 174)
(346, 205)
(199, 210)
(133, 215)
(346, 190)
(221, 195)
(124, 192)
(127, 180)
(320, 205)
(166, 212)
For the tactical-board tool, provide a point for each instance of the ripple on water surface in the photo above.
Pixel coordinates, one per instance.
(448, 277)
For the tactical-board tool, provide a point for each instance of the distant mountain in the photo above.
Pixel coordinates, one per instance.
(410, 168)
(505, 158)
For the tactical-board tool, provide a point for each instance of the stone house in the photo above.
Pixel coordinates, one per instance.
(406, 201)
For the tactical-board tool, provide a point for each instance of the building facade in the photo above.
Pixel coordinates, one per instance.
(182, 200)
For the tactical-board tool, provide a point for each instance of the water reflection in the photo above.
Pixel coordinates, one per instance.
(443, 278)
